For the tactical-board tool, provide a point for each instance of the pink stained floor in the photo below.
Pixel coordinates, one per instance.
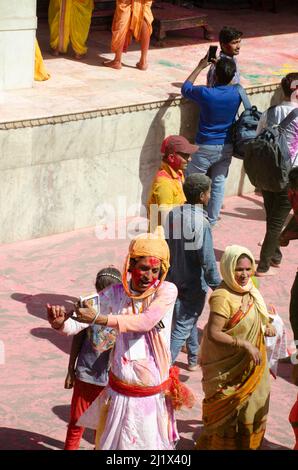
(34, 406)
(269, 51)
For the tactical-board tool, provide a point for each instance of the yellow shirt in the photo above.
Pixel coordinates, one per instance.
(166, 192)
(167, 187)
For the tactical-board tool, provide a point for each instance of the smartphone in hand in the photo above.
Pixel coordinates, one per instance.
(93, 300)
(212, 53)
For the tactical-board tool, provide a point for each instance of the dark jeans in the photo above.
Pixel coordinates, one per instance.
(277, 207)
(185, 328)
(294, 308)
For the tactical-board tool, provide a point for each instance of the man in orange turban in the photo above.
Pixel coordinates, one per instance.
(136, 410)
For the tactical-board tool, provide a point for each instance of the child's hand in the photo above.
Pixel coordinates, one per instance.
(56, 315)
(70, 379)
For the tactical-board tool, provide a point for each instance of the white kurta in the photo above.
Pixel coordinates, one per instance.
(134, 423)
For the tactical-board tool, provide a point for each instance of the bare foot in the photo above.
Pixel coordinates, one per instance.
(114, 64)
(141, 66)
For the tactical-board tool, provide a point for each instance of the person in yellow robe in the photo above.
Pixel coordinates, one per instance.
(69, 22)
(131, 18)
(40, 73)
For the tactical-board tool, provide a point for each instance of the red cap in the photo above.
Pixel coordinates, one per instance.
(177, 143)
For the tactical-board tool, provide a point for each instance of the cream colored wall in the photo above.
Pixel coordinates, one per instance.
(55, 172)
(17, 34)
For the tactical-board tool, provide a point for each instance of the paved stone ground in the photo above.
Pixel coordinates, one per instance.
(34, 407)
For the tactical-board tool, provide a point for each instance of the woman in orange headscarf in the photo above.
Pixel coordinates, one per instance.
(236, 380)
(135, 410)
(131, 18)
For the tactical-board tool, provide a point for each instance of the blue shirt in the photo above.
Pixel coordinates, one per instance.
(193, 265)
(218, 109)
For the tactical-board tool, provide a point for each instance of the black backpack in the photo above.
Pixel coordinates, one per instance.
(245, 128)
(267, 158)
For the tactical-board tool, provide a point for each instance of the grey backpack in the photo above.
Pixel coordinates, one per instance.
(267, 158)
(245, 128)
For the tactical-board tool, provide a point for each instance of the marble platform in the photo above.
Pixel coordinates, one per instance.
(92, 134)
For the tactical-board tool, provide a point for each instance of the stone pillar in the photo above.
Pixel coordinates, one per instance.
(18, 23)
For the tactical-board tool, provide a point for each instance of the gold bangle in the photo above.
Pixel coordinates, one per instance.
(105, 320)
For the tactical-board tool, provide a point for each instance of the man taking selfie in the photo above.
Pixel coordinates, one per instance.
(218, 107)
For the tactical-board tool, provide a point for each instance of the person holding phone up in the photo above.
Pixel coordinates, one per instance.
(218, 108)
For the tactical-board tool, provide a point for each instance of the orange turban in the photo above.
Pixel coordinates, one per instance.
(148, 244)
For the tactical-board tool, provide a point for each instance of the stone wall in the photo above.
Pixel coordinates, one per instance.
(55, 172)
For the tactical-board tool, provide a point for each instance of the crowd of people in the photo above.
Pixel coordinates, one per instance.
(127, 389)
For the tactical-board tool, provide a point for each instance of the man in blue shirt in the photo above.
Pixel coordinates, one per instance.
(218, 108)
(193, 265)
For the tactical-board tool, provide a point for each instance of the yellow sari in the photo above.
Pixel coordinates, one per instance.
(128, 21)
(236, 390)
(40, 73)
(69, 21)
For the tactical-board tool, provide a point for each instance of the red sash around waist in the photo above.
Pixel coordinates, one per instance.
(179, 394)
(134, 390)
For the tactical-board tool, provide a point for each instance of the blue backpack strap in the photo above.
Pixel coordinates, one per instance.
(243, 96)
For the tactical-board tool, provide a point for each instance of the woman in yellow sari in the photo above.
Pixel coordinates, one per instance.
(69, 21)
(131, 18)
(233, 358)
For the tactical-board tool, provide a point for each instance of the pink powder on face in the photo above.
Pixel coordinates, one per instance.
(176, 162)
(136, 275)
(154, 262)
(144, 274)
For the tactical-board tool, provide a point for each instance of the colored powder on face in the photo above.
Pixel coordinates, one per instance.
(175, 162)
(154, 262)
(136, 275)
